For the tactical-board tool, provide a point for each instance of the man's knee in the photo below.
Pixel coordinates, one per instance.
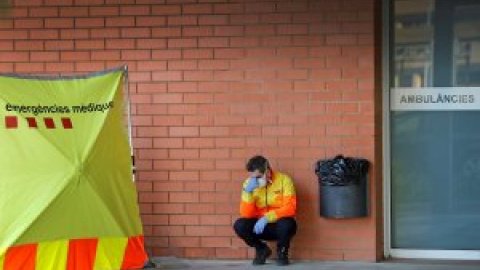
(243, 225)
(287, 225)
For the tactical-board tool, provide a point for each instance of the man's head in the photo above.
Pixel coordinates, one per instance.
(258, 166)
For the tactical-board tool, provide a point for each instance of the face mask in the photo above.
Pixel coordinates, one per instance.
(262, 181)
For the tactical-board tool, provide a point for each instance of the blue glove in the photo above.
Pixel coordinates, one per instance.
(260, 225)
(251, 185)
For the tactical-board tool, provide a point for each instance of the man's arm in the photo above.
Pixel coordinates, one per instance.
(289, 202)
(248, 209)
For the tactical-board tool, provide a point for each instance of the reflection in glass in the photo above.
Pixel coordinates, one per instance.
(436, 155)
(413, 43)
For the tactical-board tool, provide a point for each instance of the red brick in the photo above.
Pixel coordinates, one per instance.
(152, 153)
(343, 85)
(182, 43)
(135, 55)
(183, 197)
(182, 65)
(59, 67)
(155, 219)
(244, 41)
(72, 12)
(199, 143)
(244, 19)
(169, 186)
(89, 22)
(277, 63)
(13, 34)
(271, 41)
(153, 197)
(89, 44)
(120, 44)
(184, 242)
(166, 54)
(6, 23)
(59, 2)
(139, 76)
(104, 11)
(187, 154)
(229, 53)
(109, 33)
(28, 68)
(42, 11)
(326, 74)
(228, 8)
(203, 253)
(213, 20)
(215, 219)
(167, 143)
(182, 87)
(45, 56)
(198, 75)
(151, 66)
(309, 86)
(197, 9)
(276, 18)
(229, 75)
(168, 208)
(89, 66)
(293, 74)
(151, 87)
(292, 29)
(341, 39)
(213, 42)
(59, 23)
(28, 23)
(6, 67)
(198, 53)
(21, 45)
(213, 109)
(183, 131)
(260, 75)
(166, 76)
(105, 55)
(169, 230)
(215, 242)
(152, 132)
(120, 21)
(74, 34)
(14, 56)
(166, 9)
(197, 31)
(182, 20)
(138, 32)
(135, 10)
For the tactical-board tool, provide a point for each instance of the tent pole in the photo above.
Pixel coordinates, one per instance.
(129, 118)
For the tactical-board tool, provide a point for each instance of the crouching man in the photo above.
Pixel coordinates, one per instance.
(267, 210)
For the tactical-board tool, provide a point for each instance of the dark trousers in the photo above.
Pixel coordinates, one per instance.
(283, 231)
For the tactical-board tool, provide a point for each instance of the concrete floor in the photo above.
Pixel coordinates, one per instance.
(183, 264)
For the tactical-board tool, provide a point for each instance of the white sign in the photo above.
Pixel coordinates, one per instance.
(435, 99)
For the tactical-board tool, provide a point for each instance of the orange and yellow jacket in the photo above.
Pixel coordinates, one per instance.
(276, 200)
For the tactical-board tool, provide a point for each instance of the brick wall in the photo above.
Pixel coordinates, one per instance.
(214, 82)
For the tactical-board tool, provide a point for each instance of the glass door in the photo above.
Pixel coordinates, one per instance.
(435, 128)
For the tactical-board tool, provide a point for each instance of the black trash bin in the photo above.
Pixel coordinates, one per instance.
(342, 187)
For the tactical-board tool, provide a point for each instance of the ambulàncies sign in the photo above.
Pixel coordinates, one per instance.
(435, 99)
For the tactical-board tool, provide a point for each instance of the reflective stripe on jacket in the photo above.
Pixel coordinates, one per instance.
(276, 200)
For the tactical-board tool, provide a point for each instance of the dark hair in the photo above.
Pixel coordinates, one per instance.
(259, 163)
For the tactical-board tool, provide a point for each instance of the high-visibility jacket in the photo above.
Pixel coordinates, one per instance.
(276, 200)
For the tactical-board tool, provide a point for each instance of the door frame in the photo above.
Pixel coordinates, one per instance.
(387, 70)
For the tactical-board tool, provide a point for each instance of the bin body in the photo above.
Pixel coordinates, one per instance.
(348, 201)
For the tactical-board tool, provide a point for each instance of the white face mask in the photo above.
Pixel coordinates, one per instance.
(262, 181)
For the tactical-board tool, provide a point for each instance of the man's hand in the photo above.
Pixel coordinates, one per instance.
(260, 225)
(251, 185)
